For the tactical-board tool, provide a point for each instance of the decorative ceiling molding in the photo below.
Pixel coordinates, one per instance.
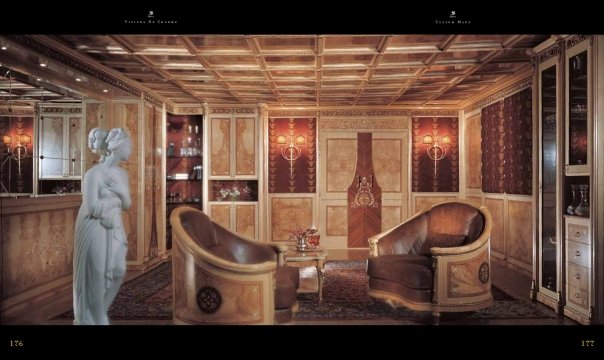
(576, 39)
(548, 53)
(199, 110)
(500, 95)
(16, 112)
(152, 99)
(293, 113)
(73, 63)
(386, 113)
(61, 110)
(232, 110)
(365, 123)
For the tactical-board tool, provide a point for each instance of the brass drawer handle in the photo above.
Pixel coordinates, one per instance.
(578, 234)
(577, 276)
(578, 253)
(577, 295)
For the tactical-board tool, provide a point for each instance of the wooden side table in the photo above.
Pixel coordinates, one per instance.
(309, 258)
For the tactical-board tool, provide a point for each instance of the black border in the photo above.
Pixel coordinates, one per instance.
(284, 342)
(253, 17)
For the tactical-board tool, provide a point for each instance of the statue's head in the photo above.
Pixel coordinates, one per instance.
(97, 141)
(119, 144)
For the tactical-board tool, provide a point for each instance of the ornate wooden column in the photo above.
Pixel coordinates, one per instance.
(364, 197)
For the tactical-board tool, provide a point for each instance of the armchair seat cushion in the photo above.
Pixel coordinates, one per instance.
(412, 271)
(287, 280)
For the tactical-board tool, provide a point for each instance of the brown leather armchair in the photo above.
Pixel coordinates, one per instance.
(222, 278)
(438, 260)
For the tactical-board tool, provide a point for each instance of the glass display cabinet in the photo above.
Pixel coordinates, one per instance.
(549, 287)
(578, 109)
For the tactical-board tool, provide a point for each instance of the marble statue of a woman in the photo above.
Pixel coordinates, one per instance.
(100, 247)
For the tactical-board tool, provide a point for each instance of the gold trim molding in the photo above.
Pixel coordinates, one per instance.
(232, 111)
(187, 110)
(500, 95)
(17, 112)
(365, 123)
(293, 113)
(61, 110)
(377, 113)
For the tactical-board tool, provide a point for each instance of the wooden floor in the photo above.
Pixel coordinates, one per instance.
(509, 282)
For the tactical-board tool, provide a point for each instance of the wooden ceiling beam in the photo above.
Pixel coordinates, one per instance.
(188, 44)
(507, 43)
(255, 48)
(126, 45)
(444, 46)
(375, 62)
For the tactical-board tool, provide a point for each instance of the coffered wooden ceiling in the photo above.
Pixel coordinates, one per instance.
(308, 70)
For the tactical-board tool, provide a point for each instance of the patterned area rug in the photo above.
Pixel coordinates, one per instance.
(146, 297)
(149, 297)
(345, 297)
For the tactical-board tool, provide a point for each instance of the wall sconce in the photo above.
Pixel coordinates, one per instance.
(436, 147)
(292, 151)
(18, 152)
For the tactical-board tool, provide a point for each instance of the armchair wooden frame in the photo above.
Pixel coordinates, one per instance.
(208, 289)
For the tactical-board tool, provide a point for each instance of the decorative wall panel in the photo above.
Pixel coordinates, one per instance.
(493, 150)
(473, 152)
(520, 234)
(519, 143)
(289, 213)
(341, 161)
(37, 249)
(445, 178)
(301, 176)
(364, 197)
(497, 233)
(221, 214)
(387, 163)
(220, 132)
(391, 216)
(507, 145)
(424, 202)
(245, 220)
(337, 220)
(152, 180)
(245, 147)
(475, 200)
(127, 115)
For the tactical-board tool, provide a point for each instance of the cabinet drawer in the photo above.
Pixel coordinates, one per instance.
(578, 253)
(578, 233)
(578, 276)
(578, 297)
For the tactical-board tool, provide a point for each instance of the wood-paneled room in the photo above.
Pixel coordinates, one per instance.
(270, 177)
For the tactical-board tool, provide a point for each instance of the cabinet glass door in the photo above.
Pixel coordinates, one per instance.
(577, 109)
(548, 169)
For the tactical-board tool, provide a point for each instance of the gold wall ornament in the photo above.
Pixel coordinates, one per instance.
(364, 197)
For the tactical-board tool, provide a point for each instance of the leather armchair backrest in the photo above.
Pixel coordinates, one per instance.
(222, 242)
(456, 219)
(402, 239)
(199, 227)
(235, 248)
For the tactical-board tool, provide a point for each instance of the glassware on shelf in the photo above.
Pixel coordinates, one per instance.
(170, 151)
(570, 210)
(583, 208)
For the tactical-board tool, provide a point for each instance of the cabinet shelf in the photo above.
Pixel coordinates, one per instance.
(185, 157)
(183, 179)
